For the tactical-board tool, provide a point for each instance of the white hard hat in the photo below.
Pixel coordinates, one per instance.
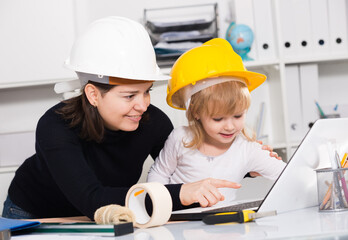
(115, 47)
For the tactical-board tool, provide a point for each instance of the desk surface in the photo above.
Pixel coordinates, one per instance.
(301, 224)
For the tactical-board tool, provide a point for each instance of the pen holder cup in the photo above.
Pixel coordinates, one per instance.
(331, 115)
(332, 189)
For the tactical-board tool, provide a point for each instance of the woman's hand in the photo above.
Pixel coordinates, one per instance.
(270, 149)
(205, 192)
(271, 153)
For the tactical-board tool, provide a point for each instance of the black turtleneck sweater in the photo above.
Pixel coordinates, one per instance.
(69, 176)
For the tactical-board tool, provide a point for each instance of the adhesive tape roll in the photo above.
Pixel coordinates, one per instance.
(161, 204)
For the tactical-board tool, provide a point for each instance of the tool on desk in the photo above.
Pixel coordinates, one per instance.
(121, 217)
(161, 204)
(123, 228)
(72, 228)
(135, 209)
(237, 217)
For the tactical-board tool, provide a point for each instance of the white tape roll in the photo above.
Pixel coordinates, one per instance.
(161, 204)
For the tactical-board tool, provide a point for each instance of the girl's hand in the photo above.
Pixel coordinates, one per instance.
(205, 192)
(271, 153)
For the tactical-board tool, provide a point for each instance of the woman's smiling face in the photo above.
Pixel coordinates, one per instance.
(122, 107)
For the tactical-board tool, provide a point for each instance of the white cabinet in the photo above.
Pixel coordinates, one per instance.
(36, 38)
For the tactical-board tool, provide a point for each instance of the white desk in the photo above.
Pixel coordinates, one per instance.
(301, 224)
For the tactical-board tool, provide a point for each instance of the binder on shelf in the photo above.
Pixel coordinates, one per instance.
(319, 26)
(287, 35)
(264, 29)
(302, 22)
(337, 14)
(293, 102)
(309, 85)
(242, 11)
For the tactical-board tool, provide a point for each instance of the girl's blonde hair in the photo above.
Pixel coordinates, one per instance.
(222, 99)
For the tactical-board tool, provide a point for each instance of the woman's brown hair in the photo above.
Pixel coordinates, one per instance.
(78, 111)
(221, 99)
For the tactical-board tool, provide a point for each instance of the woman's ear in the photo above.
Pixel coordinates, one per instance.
(92, 94)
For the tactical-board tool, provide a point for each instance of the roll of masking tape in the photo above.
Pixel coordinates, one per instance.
(161, 204)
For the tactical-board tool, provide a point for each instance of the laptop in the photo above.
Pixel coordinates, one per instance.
(296, 187)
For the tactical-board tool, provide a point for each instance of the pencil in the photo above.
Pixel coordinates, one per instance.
(322, 114)
(344, 160)
(344, 164)
(326, 198)
(342, 178)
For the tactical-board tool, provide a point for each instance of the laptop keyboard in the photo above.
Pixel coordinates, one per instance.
(236, 207)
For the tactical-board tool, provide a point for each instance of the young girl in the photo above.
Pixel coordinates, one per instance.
(211, 82)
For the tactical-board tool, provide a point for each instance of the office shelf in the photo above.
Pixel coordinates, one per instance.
(177, 29)
(8, 169)
(33, 83)
(316, 59)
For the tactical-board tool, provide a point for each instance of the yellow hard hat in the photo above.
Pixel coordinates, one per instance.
(214, 58)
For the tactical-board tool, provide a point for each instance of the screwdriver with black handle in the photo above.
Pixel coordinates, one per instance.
(237, 217)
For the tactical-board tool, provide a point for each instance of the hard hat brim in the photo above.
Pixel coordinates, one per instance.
(150, 77)
(251, 79)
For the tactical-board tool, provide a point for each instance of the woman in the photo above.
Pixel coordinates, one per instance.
(90, 149)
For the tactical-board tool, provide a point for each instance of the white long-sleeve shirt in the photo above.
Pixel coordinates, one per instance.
(178, 164)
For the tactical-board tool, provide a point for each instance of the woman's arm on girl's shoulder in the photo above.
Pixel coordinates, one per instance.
(270, 149)
(262, 164)
(271, 154)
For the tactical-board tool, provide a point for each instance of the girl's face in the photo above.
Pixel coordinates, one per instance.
(123, 106)
(220, 131)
